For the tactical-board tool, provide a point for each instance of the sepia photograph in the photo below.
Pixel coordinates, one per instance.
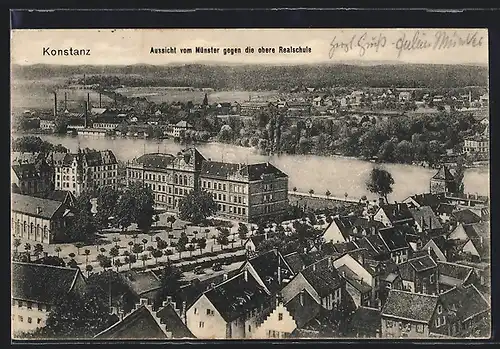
(200, 184)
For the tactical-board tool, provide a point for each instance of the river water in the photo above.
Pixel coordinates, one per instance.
(339, 175)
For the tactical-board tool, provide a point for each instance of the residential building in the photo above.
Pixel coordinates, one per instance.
(32, 178)
(394, 239)
(420, 275)
(375, 247)
(438, 248)
(86, 169)
(270, 270)
(181, 126)
(322, 282)
(411, 315)
(477, 144)
(467, 312)
(472, 241)
(359, 283)
(144, 322)
(318, 101)
(253, 242)
(241, 192)
(35, 289)
(466, 216)
(453, 274)
(251, 107)
(38, 219)
(425, 199)
(299, 108)
(230, 310)
(49, 125)
(350, 228)
(106, 122)
(444, 212)
(443, 181)
(404, 96)
(394, 214)
(425, 220)
(364, 323)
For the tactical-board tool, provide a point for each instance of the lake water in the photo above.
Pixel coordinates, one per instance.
(339, 175)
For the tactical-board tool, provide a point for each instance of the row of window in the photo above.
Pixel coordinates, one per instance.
(233, 199)
(29, 305)
(419, 328)
(206, 184)
(20, 318)
(232, 209)
(30, 230)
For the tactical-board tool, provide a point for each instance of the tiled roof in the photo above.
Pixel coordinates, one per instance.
(396, 212)
(394, 238)
(376, 243)
(444, 174)
(140, 324)
(323, 280)
(302, 314)
(351, 277)
(162, 161)
(428, 199)
(425, 215)
(141, 282)
(99, 158)
(183, 124)
(465, 302)
(365, 321)
(457, 271)
(445, 208)
(266, 266)
(30, 170)
(250, 172)
(56, 195)
(476, 230)
(343, 247)
(30, 206)
(466, 217)
(410, 306)
(295, 261)
(345, 225)
(41, 283)
(422, 263)
(236, 296)
(173, 323)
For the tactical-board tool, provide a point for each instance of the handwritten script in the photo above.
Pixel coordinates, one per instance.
(366, 43)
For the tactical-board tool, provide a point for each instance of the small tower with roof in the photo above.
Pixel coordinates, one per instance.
(443, 181)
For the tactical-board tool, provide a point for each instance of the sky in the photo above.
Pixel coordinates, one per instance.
(133, 46)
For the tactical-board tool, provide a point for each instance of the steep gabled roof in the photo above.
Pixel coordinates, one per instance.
(237, 296)
(444, 174)
(250, 172)
(394, 238)
(323, 279)
(465, 302)
(41, 283)
(161, 161)
(428, 199)
(266, 266)
(425, 215)
(302, 314)
(396, 212)
(456, 271)
(405, 305)
(466, 216)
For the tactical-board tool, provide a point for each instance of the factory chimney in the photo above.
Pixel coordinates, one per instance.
(85, 111)
(55, 104)
(88, 100)
(65, 101)
(100, 100)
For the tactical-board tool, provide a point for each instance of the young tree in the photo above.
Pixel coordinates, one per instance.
(17, 243)
(89, 269)
(157, 254)
(223, 237)
(144, 242)
(114, 252)
(116, 240)
(171, 220)
(202, 243)
(181, 243)
(87, 253)
(242, 232)
(380, 182)
(328, 193)
(38, 250)
(130, 244)
(144, 258)
(191, 248)
(78, 246)
(137, 248)
(197, 206)
(311, 192)
(57, 250)
(170, 284)
(105, 262)
(117, 263)
(130, 259)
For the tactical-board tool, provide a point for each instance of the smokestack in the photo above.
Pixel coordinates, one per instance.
(65, 101)
(84, 83)
(88, 100)
(55, 105)
(85, 108)
(100, 100)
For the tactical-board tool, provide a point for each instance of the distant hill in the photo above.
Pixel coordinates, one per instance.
(254, 77)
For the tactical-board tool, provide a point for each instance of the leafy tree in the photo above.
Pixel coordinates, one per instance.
(311, 192)
(242, 231)
(144, 258)
(105, 262)
(82, 227)
(78, 246)
(170, 283)
(38, 250)
(171, 220)
(125, 210)
(17, 243)
(87, 253)
(130, 244)
(89, 269)
(328, 193)
(144, 242)
(223, 237)
(77, 315)
(73, 264)
(114, 252)
(202, 243)
(191, 248)
(294, 189)
(116, 240)
(157, 254)
(197, 206)
(130, 259)
(137, 248)
(57, 250)
(380, 182)
(51, 260)
(144, 206)
(117, 263)
(181, 243)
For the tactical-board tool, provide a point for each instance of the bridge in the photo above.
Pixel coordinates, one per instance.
(325, 197)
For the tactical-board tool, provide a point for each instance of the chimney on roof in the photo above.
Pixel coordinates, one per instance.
(246, 275)
(224, 277)
(343, 273)
(301, 297)
(429, 250)
(422, 223)
(329, 262)
(265, 235)
(481, 240)
(314, 267)
(183, 312)
(38, 210)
